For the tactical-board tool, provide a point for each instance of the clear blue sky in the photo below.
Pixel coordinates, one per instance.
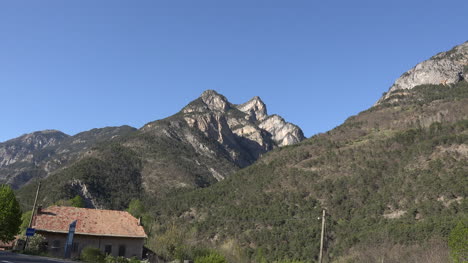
(78, 65)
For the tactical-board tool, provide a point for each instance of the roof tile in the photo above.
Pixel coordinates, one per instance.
(89, 221)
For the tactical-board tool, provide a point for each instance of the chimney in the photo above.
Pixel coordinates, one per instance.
(139, 221)
(39, 209)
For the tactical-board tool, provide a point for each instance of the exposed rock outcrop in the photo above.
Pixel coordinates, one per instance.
(22, 148)
(283, 133)
(254, 108)
(244, 127)
(237, 133)
(444, 68)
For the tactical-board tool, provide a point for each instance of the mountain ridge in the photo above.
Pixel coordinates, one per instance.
(445, 68)
(203, 143)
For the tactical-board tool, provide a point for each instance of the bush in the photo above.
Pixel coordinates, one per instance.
(213, 257)
(289, 261)
(77, 201)
(36, 244)
(111, 259)
(92, 255)
(133, 260)
(458, 243)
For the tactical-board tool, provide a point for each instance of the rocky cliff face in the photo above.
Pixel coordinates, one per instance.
(445, 68)
(244, 130)
(254, 108)
(223, 136)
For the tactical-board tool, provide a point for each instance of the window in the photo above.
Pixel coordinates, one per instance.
(122, 251)
(108, 249)
(56, 244)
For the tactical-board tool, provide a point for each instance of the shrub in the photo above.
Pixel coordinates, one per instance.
(77, 201)
(36, 244)
(458, 243)
(133, 260)
(111, 259)
(289, 261)
(213, 257)
(94, 255)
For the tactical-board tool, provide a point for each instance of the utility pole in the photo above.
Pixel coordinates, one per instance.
(32, 214)
(322, 236)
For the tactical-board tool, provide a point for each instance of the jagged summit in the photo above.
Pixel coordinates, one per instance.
(214, 100)
(249, 120)
(255, 121)
(255, 108)
(444, 68)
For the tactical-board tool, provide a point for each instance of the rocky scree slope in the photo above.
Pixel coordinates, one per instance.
(390, 177)
(204, 143)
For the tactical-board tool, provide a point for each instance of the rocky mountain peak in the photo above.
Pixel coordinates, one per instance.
(39, 139)
(284, 133)
(21, 148)
(245, 131)
(254, 108)
(214, 100)
(444, 68)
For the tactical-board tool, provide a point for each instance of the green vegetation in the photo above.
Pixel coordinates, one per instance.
(25, 218)
(36, 244)
(392, 179)
(92, 255)
(458, 242)
(111, 259)
(386, 181)
(105, 176)
(136, 208)
(10, 214)
(213, 257)
(77, 201)
(425, 94)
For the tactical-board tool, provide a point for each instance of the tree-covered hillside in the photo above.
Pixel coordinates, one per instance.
(393, 180)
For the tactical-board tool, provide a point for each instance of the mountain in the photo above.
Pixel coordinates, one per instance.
(38, 154)
(445, 68)
(208, 140)
(393, 180)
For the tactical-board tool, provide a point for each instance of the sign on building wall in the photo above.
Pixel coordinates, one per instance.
(68, 244)
(30, 232)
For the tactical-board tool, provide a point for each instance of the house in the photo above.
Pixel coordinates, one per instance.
(113, 232)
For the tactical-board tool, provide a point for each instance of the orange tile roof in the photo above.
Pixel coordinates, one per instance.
(89, 222)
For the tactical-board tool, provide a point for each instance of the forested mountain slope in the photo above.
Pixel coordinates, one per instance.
(393, 180)
(39, 154)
